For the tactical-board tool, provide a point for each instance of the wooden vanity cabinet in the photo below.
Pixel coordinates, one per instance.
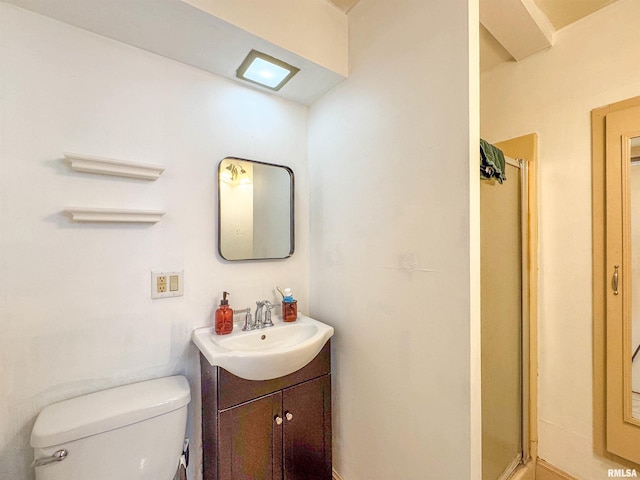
(276, 429)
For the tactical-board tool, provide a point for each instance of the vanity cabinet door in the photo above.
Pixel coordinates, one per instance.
(250, 440)
(247, 434)
(307, 430)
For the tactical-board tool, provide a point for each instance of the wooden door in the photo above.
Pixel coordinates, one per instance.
(623, 426)
(250, 440)
(307, 432)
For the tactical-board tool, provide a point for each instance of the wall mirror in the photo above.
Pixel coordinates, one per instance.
(255, 210)
(616, 280)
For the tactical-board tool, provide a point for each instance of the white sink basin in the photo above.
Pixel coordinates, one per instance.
(266, 353)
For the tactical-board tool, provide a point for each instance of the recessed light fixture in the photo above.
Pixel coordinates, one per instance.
(266, 71)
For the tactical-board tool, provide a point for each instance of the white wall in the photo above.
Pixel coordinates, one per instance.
(391, 226)
(593, 63)
(75, 308)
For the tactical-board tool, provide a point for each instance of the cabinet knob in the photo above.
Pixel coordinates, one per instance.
(289, 415)
(278, 420)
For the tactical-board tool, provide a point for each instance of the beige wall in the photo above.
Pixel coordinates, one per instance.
(394, 222)
(593, 63)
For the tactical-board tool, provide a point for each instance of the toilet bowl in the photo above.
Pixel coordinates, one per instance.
(132, 432)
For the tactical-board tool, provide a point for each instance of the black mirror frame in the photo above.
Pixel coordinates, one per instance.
(291, 215)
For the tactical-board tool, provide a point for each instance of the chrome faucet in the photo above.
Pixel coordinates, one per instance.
(259, 321)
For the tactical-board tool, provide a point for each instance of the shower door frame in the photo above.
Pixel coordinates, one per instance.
(526, 148)
(526, 350)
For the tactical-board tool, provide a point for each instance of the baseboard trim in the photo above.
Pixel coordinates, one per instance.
(546, 471)
(525, 472)
(336, 475)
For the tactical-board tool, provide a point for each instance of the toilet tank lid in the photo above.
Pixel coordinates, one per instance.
(108, 409)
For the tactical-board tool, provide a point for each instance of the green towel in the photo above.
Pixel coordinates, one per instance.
(492, 164)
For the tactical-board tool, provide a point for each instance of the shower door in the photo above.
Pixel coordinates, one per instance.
(501, 236)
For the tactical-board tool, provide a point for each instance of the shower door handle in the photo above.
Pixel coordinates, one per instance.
(615, 280)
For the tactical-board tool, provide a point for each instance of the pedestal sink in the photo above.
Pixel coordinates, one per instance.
(265, 353)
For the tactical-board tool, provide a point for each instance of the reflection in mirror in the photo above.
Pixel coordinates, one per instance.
(634, 181)
(255, 210)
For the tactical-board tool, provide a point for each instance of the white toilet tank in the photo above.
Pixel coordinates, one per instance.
(132, 432)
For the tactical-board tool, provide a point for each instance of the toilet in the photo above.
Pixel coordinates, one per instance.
(132, 432)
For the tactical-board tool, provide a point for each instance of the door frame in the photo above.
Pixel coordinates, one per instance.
(600, 283)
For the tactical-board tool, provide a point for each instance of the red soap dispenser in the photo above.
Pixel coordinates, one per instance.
(224, 316)
(289, 306)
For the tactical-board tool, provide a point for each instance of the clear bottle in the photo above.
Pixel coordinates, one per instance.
(224, 316)
(289, 306)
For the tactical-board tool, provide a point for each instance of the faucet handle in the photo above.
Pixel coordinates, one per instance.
(267, 315)
(248, 323)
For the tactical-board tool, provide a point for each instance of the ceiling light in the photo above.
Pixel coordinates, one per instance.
(265, 70)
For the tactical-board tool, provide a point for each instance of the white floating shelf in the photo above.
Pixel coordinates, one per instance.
(108, 166)
(113, 215)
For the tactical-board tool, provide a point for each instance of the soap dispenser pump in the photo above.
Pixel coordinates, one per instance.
(224, 316)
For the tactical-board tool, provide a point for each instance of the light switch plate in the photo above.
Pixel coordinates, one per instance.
(167, 284)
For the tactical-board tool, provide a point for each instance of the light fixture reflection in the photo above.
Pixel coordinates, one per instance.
(265, 70)
(235, 174)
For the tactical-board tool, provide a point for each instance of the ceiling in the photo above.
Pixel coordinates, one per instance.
(184, 33)
(556, 14)
(564, 12)
(344, 5)
(559, 12)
